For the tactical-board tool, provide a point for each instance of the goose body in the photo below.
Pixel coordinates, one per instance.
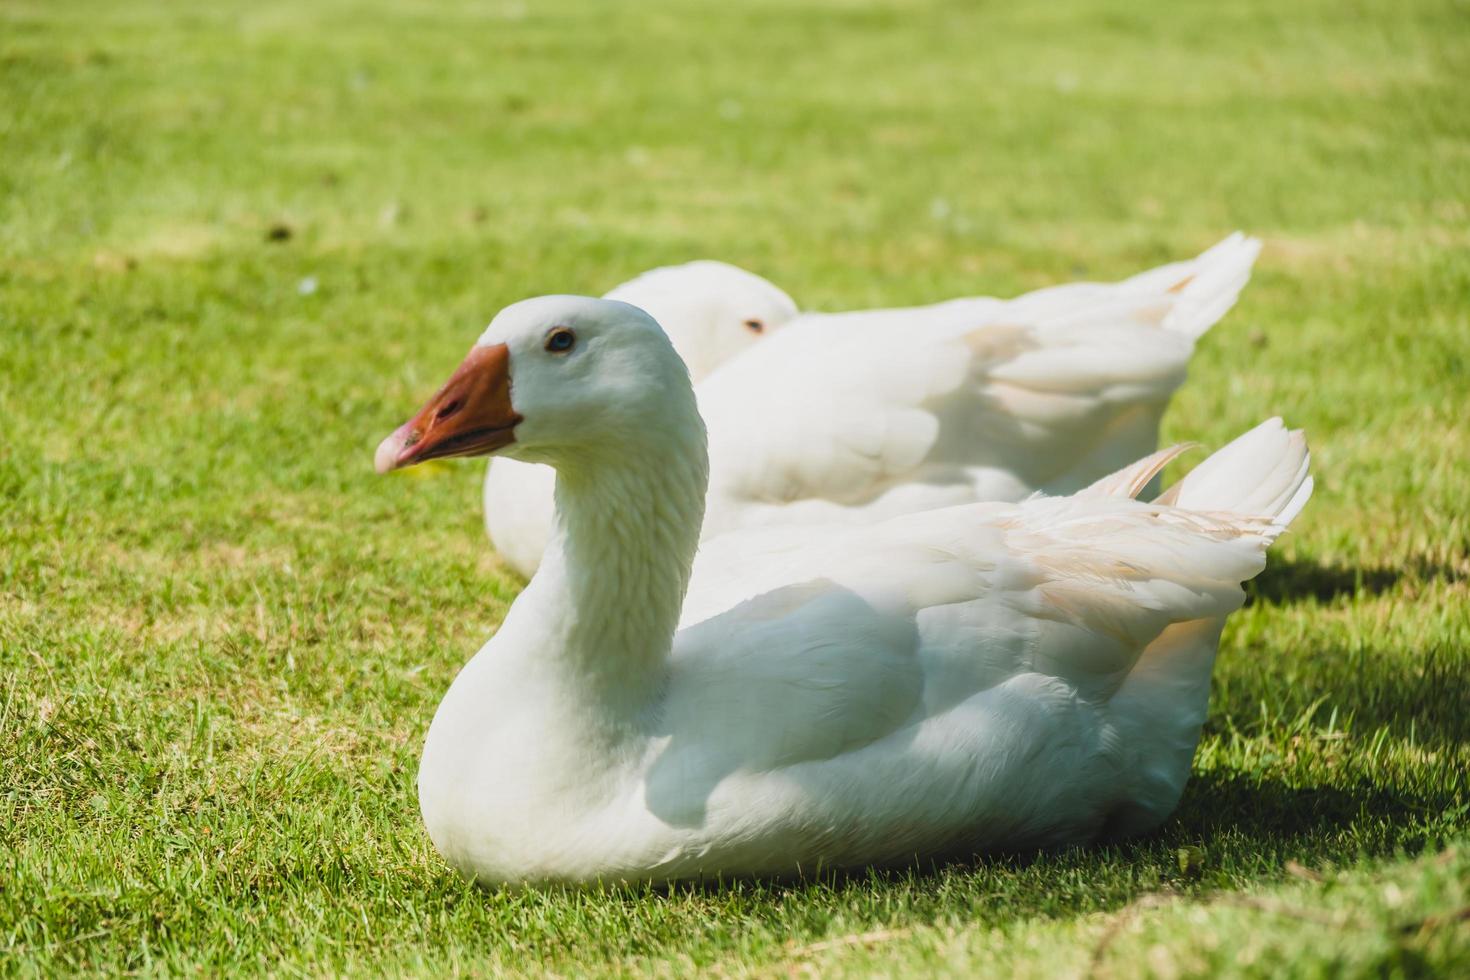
(982, 676)
(857, 417)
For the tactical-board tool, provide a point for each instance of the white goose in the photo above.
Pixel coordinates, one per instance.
(861, 416)
(985, 676)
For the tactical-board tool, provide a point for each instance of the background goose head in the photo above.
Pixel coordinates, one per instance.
(555, 379)
(711, 310)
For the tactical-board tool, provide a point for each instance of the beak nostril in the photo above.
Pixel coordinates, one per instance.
(447, 410)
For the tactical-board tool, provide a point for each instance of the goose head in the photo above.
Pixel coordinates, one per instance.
(711, 310)
(552, 379)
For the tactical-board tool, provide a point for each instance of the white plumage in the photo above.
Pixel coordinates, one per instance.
(856, 417)
(981, 676)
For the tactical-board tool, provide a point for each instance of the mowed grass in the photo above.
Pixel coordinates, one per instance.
(241, 240)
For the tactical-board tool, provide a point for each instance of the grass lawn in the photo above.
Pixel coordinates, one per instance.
(239, 241)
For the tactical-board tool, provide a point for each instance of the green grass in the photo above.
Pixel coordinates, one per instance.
(221, 638)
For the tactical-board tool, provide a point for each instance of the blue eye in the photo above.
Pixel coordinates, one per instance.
(560, 340)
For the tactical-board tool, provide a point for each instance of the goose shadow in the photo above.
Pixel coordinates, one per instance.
(1287, 580)
(1270, 809)
(1417, 695)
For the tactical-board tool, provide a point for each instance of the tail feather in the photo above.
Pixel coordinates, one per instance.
(1207, 287)
(1262, 474)
(1187, 298)
(1130, 480)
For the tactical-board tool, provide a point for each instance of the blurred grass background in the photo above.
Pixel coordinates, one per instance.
(239, 241)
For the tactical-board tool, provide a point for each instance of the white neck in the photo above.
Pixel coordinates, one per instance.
(617, 567)
(590, 636)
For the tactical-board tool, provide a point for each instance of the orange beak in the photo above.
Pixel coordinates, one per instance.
(470, 416)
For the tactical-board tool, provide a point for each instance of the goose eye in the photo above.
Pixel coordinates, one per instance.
(560, 340)
(755, 326)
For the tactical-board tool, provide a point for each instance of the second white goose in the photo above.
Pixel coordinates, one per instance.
(860, 416)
